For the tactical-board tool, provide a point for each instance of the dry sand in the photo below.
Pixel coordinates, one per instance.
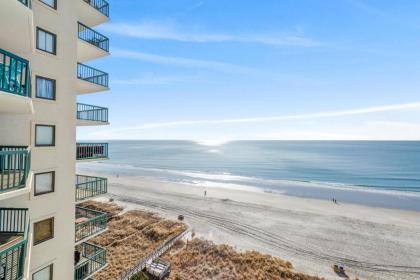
(372, 243)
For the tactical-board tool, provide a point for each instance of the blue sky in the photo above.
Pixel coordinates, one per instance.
(220, 70)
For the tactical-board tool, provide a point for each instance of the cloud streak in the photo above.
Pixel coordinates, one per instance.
(181, 61)
(311, 116)
(150, 79)
(166, 31)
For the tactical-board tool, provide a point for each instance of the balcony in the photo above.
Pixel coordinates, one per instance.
(93, 12)
(90, 79)
(91, 44)
(88, 187)
(14, 171)
(91, 151)
(14, 227)
(15, 84)
(16, 20)
(89, 259)
(89, 115)
(89, 223)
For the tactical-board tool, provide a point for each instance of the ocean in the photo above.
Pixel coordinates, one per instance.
(381, 174)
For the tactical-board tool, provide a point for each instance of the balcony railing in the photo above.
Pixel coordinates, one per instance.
(92, 75)
(27, 3)
(14, 74)
(91, 151)
(89, 222)
(89, 259)
(92, 113)
(14, 226)
(14, 168)
(89, 186)
(100, 5)
(93, 37)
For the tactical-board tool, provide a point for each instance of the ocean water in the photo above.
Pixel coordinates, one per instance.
(382, 174)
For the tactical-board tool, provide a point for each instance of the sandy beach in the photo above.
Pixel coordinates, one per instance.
(372, 243)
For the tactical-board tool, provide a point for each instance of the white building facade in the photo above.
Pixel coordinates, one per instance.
(45, 49)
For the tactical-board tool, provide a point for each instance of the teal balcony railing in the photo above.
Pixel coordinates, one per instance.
(100, 5)
(14, 74)
(89, 187)
(89, 222)
(92, 75)
(93, 37)
(89, 259)
(91, 151)
(92, 113)
(14, 167)
(27, 3)
(14, 227)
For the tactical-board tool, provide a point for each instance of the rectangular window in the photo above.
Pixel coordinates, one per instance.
(43, 230)
(44, 183)
(46, 41)
(44, 135)
(44, 274)
(45, 88)
(51, 3)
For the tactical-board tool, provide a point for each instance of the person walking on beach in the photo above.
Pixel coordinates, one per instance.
(205, 193)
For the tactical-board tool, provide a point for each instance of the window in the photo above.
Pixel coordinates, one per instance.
(51, 3)
(44, 274)
(45, 88)
(43, 230)
(44, 183)
(45, 41)
(44, 135)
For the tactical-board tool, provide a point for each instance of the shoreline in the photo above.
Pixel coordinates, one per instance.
(344, 193)
(313, 234)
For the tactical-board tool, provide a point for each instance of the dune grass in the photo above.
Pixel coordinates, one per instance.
(200, 259)
(130, 236)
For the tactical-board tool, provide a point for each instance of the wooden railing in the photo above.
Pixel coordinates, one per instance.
(165, 246)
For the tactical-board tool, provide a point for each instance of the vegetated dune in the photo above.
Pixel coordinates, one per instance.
(130, 237)
(112, 209)
(200, 259)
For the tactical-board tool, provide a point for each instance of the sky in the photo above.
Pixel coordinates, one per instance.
(221, 70)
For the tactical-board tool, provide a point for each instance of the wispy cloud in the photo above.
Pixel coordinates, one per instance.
(362, 5)
(152, 79)
(310, 116)
(182, 61)
(153, 30)
(195, 6)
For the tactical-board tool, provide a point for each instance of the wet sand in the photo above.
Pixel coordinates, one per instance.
(372, 243)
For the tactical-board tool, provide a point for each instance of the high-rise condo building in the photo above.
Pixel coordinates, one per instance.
(46, 47)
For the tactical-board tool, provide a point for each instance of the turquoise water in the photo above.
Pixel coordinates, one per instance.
(385, 174)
